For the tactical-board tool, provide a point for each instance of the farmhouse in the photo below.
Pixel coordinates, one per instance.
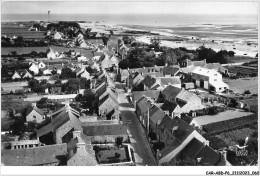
(208, 79)
(34, 114)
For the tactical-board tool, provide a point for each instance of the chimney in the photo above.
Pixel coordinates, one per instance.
(166, 112)
(76, 134)
(206, 143)
(34, 105)
(81, 146)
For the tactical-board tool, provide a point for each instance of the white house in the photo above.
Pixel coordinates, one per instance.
(208, 79)
(16, 75)
(85, 74)
(34, 114)
(51, 54)
(41, 65)
(34, 68)
(82, 58)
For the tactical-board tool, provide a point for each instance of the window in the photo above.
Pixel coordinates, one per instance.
(215, 79)
(34, 117)
(220, 88)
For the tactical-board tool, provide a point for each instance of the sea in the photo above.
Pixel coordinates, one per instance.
(164, 20)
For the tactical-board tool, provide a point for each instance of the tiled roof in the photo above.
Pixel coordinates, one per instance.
(169, 106)
(103, 130)
(170, 80)
(155, 74)
(103, 100)
(185, 95)
(156, 114)
(183, 129)
(143, 104)
(137, 95)
(149, 81)
(196, 149)
(57, 121)
(199, 63)
(170, 70)
(30, 109)
(171, 91)
(35, 156)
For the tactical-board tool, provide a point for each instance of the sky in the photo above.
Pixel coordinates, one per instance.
(138, 7)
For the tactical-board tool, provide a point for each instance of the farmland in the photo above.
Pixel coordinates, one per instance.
(22, 31)
(242, 84)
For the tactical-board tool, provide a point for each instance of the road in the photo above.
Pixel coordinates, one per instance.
(142, 151)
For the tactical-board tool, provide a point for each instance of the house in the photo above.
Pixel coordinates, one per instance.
(80, 40)
(21, 74)
(123, 74)
(106, 105)
(134, 80)
(176, 135)
(172, 108)
(187, 101)
(209, 79)
(148, 83)
(41, 65)
(56, 35)
(137, 95)
(80, 151)
(217, 67)
(34, 114)
(105, 62)
(142, 106)
(106, 133)
(84, 74)
(155, 116)
(34, 68)
(63, 123)
(173, 81)
(189, 63)
(48, 155)
(81, 58)
(170, 71)
(50, 54)
(199, 153)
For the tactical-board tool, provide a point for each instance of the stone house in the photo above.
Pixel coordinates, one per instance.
(63, 123)
(176, 135)
(170, 71)
(106, 105)
(21, 74)
(137, 95)
(80, 151)
(34, 68)
(142, 106)
(34, 114)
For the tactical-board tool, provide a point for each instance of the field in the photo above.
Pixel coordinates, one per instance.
(237, 59)
(22, 31)
(12, 102)
(242, 84)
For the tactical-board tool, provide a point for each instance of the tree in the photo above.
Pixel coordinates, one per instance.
(155, 43)
(231, 53)
(119, 141)
(89, 100)
(105, 39)
(67, 73)
(247, 92)
(14, 53)
(72, 85)
(33, 83)
(53, 72)
(124, 64)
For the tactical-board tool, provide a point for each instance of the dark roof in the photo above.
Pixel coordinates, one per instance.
(149, 81)
(63, 116)
(103, 100)
(185, 95)
(156, 114)
(186, 118)
(143, 104)
(171, 91)
(155, 74)
(31, 108)
(35, 156)
(137, 95)
(101, 90)
(196, 149)
(115, 129)
(170, 70)
(169, 106)
(183, 130)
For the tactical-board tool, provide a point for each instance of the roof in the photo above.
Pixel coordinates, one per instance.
(187, 69)
(185, 95)
(137, 95)
(199, 63)
(31, 108)
(34, 156)
(170, 80)
(104, 130)
(196, 149)
(154, 74)
(156, 114)
(183, 129)
(204, 71)
(146, 69)
(171, 91)
(170, 70)
(59, 118)
(169, 106)
(143, 104)
(149, 81)
(124, 72)
(103, 100)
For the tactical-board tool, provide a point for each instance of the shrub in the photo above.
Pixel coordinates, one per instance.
(158, 145)
(247, 92)
(119, 141)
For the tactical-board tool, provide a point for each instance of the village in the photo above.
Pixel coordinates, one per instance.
(96, 97)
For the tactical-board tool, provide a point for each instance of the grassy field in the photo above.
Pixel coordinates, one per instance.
(12, 102)
(242, 84)
(237, 59)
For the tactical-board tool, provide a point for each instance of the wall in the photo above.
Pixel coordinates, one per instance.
(108, 138)
(39, 118)
(63, 130)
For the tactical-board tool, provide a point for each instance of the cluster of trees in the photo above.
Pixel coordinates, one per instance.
(142, 56)
(20, 42)
(74, 84)
(88, 100)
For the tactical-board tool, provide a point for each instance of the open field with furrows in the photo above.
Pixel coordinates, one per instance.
(242, 84)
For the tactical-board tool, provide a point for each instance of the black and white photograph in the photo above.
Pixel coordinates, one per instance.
(171, 84)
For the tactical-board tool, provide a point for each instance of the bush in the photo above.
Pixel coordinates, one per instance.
(119, 141)
(247, 92)
(158, 146)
